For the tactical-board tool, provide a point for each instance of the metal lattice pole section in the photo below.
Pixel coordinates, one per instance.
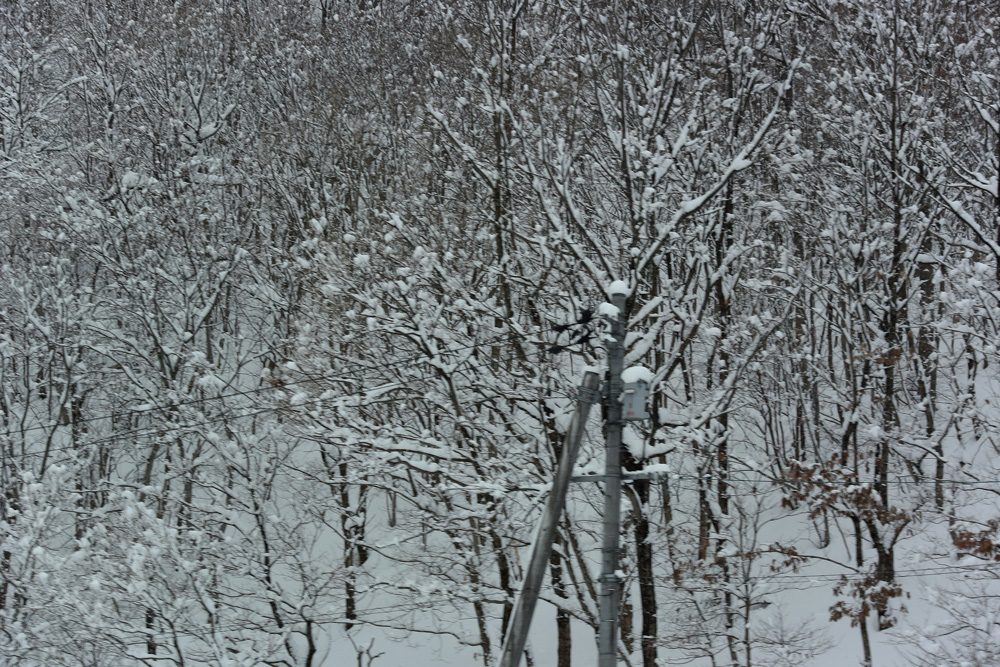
(610, 581)
(517, 633)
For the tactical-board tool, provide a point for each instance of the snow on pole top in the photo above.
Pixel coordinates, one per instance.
(637, 374)
(618, 287)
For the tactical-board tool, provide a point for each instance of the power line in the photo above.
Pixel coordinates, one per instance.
(821, 482)
(859, 576)
(905, 573)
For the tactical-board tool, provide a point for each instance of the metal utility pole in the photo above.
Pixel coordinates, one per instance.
(517, 633)
(610, 582)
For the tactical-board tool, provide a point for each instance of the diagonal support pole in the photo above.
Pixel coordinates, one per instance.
(524, 608)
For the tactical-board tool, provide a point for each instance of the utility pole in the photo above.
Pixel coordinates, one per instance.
(517, 633)
(610, 582)
(610, 594)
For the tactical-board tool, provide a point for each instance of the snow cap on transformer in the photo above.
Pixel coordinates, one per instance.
(619, 287)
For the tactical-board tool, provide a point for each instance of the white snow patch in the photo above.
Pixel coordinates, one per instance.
(130, 179)
(635, 444)
(740, 163)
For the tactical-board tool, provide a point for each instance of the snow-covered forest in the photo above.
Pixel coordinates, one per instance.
(295, 296)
